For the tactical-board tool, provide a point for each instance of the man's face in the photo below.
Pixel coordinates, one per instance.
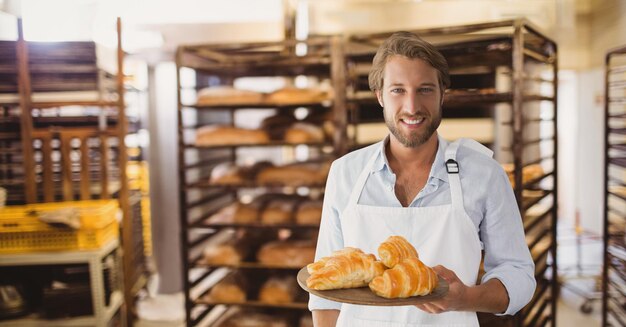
(411, 100)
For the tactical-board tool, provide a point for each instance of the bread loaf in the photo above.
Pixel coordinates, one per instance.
(231, 289)
(229, 253)
(248, 318)
(529, 172)
(226, 135)
(278, 211)
(291, 95)
(287, 253)
(304, 133)
(309, 213)
(230, 174)
(226, 174)
(297, 174)
(235, 213)
(227, 95)
(279, 290)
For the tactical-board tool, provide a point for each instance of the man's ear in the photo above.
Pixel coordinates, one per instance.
(380, 98)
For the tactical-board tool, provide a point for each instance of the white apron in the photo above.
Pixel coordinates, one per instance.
(443, 235)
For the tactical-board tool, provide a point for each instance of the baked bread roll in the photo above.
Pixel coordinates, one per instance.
(348, 269)
(235, 213)
(277, 125)
(249, 318)
(229, 253)
(287, 253)
(529, 172)
(230, 174)
(278, 211)
(230, 289)
(292, 95)
(304, 133)
(309, 213)
(394, 250)
(319, 264)
(227, 95)
(279, 290)
(227, 135)
(410, 277)
(293, 175)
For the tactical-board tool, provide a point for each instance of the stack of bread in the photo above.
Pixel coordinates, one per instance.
(399, 273)
(529, 172)
(265, 173)
(270, 209)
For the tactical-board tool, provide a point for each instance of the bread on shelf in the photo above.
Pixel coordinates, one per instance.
(228, 95)
(292, 95)
(279, 290)
(304, 133)
(309, 213)
(229, 174)
(529, 172)
(235, 213)
(231, 289)
(226, 248)
(279, 211)
(238, 317)
(294, 254)
(297, 174)
(216, 135)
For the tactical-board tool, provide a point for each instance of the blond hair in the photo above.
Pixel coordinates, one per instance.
(411, 46)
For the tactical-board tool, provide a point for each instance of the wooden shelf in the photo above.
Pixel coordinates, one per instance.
(247, 265)
(258, 304)
(256, 145)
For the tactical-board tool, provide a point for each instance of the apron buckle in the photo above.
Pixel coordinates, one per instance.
(452, 166)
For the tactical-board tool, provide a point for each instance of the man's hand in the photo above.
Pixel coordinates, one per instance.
(488, 297)
(454, 300)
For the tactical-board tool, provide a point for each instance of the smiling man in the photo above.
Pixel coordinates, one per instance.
(450, 200)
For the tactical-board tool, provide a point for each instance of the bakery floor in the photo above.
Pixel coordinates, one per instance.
(579, 266)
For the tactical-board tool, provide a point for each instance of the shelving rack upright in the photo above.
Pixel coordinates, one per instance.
(614, 270)
(67, 158)
(223, 64)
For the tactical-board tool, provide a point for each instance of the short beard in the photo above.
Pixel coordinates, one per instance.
(413, 140)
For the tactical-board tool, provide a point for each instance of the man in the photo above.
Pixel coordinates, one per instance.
(450, 200)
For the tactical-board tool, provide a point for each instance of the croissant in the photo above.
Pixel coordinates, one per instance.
(348, 269)
(319, 264)
(394, 250)
(411, 277)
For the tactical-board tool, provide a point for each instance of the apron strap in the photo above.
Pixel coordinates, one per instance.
(360, 182)
(452, 166)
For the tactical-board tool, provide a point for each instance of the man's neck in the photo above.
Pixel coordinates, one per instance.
(421, 157)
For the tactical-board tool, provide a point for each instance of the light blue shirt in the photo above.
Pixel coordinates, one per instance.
(487, 197)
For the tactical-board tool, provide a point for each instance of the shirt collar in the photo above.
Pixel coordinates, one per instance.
(437, 170)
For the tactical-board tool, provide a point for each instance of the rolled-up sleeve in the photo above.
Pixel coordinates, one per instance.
(507, 257)
(330, 238)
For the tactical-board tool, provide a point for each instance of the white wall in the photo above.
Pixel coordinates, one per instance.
(590, 144)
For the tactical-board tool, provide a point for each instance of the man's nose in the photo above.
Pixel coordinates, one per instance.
(411, 104)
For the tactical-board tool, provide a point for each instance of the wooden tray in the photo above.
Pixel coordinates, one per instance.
(365, 296)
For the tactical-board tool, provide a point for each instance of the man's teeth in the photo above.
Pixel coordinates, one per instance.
(412, 121)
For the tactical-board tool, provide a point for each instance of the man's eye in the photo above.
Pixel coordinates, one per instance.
(397, 90)
(426, 90)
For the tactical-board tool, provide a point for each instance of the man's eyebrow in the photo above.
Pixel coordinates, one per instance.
(423, 84)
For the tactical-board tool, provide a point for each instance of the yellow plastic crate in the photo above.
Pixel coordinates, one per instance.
(94, 214)
(58, 239)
